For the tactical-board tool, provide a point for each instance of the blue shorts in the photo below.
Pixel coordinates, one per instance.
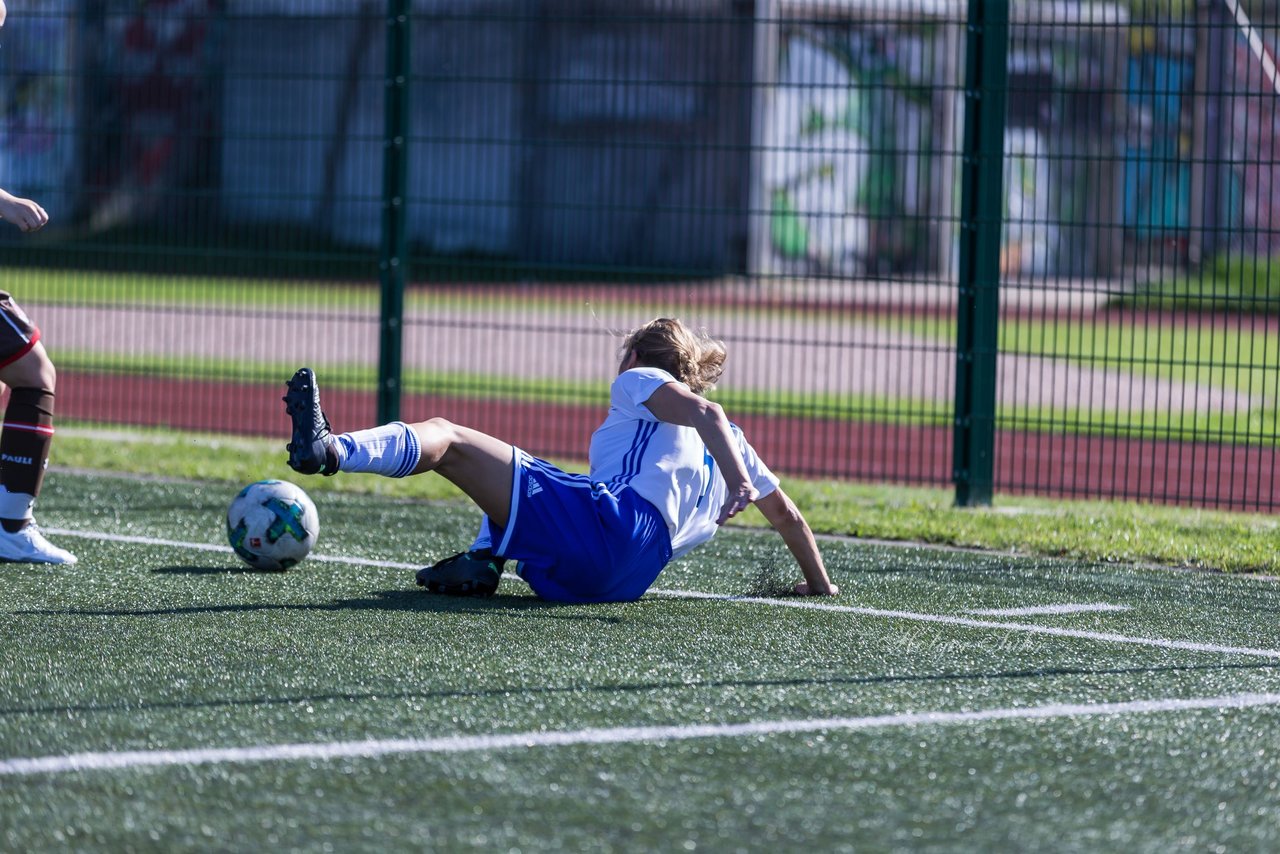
(576, 541)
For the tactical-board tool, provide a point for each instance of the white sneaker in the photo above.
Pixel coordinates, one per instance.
(30, 546)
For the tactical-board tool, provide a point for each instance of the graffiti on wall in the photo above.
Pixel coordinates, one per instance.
(1159, 148)
(1030, 239)
(1158, 145)
(856, 175)
(847, 168)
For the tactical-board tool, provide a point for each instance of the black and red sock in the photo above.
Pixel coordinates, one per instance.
(24, 452)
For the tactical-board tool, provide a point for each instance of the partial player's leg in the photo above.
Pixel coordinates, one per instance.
(25, 441)
(477, 463)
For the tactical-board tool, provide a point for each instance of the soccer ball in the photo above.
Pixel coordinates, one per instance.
(272, 524)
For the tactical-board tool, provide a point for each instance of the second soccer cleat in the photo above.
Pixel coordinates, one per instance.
(474, 573)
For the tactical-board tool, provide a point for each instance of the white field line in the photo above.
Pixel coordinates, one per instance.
(1036, 610)
(811, 604)
(325, 751)
(946, 619)
(209, 547)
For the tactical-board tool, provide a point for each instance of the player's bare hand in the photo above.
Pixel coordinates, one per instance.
(738, 500)
(24, 213)
(804, 588)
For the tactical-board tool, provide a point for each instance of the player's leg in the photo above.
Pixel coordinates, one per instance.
(477, 463)
(25, 440)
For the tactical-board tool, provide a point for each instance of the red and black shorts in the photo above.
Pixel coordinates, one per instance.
(17, 333)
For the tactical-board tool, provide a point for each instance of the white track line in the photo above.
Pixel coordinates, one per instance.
(615, 735)
(810, 604)
(1039, 610)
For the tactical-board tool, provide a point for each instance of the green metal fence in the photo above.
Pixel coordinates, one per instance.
(1002, 246)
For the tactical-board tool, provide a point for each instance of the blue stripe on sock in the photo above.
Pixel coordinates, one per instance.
(410, 452)
(345, 448)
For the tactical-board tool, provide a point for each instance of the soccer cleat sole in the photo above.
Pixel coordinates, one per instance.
(466, 588)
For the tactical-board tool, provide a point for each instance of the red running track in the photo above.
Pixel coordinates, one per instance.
(1234, 477)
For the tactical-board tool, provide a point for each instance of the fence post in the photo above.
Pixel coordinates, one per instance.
(393, 253)
(1214, 32)
(981, 217)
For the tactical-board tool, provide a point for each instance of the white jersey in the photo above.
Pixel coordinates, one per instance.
(668, 465)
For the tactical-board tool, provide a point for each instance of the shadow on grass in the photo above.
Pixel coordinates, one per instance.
(229, 569)
(630, 687)
(407, 599)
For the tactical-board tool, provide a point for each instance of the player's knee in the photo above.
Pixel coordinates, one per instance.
(48, 376)
(435, 437)
(39, 363)
(432, 425)
(34, 370)
(438, 428)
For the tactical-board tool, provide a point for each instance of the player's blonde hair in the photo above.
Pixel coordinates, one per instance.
(694, 358)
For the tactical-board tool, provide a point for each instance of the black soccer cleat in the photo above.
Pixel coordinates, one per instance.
(474, 573)
(311, 450)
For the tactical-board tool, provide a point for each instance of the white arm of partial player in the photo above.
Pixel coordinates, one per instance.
(676, 404)
(24, 213)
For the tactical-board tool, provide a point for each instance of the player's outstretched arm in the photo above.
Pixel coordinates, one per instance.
(24, 213)
(675, 404)
(787, 520)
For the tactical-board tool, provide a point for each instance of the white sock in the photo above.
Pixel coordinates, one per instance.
(15, 505)
(391, 450)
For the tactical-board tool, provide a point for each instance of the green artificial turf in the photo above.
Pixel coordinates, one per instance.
(160, 640)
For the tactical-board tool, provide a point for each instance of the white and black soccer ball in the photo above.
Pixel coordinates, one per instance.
(272, 524)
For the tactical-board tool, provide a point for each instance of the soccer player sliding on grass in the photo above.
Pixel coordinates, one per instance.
(667, 469)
